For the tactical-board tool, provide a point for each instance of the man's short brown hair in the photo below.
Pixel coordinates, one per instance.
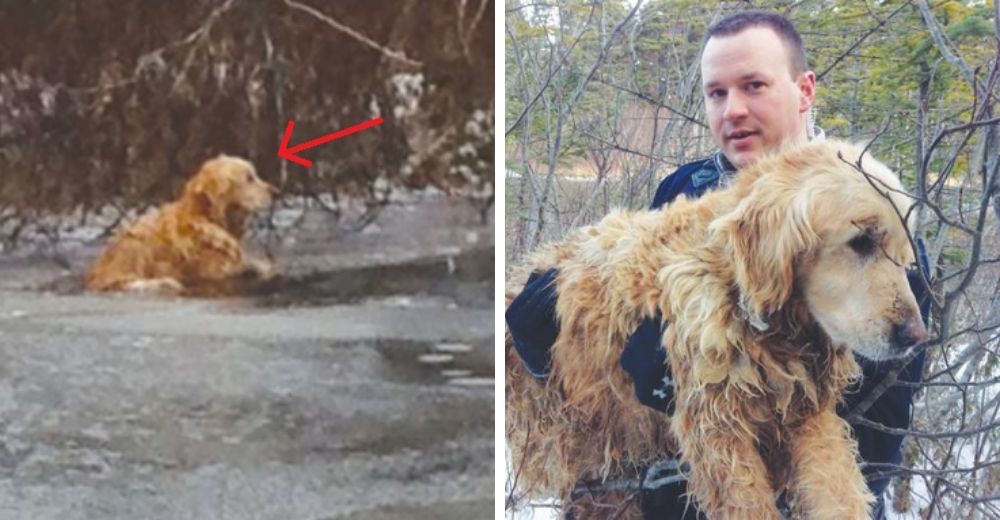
(736, 23)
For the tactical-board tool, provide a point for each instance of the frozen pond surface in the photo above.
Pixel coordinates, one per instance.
(359, 384)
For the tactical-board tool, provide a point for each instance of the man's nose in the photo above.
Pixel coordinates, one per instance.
(736, 107)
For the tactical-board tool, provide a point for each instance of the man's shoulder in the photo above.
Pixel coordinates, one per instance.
(685, 179)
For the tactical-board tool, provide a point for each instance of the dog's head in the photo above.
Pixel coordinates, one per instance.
(811, 226)
(227, 189)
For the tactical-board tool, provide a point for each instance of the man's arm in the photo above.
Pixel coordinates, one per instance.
(644, 357)
(531, 318)
(532, 324)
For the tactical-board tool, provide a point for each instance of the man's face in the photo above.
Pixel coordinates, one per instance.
(753, 102)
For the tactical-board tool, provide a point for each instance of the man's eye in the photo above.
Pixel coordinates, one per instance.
(717, 93)
(755, 85)
(863, 244)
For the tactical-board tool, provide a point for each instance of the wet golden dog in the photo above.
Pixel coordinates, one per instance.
(193, 243)
(767, 287)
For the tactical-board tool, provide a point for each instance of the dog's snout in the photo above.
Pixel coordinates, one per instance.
(908, 333)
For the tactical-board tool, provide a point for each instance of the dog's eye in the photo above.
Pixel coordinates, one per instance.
(863, 244)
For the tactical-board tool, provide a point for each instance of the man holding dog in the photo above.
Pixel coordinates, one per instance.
(758, 95)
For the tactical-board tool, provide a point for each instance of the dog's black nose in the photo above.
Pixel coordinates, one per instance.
(908, 333)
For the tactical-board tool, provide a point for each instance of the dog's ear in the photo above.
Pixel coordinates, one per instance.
(208, 189)
(763, 237)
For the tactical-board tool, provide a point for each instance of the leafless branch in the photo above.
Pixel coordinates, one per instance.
(387, 52)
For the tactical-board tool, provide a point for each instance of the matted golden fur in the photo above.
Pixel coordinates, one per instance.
(801, 245)
(193, 243)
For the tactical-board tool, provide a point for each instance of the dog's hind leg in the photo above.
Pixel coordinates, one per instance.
(826, 479)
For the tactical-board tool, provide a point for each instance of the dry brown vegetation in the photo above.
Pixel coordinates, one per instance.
(116, 102)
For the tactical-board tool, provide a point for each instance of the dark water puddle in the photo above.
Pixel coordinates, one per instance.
(436, 417)
(466, 278)
(455, 363)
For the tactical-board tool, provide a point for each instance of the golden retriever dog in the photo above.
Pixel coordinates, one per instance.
(767, 287)
(193, 243)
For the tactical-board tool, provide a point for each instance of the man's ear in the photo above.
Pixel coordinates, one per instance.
(807, 90)
(764, 236)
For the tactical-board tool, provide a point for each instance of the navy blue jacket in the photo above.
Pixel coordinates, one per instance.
(533, 327)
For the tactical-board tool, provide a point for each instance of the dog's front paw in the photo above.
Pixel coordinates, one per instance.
(259, 269)
(162, 285)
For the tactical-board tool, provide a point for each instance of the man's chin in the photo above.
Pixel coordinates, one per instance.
(741, 158)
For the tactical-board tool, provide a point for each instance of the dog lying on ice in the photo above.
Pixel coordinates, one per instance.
(193, 242)
(767, 286)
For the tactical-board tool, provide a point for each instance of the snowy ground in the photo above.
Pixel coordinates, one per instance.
(358, 385)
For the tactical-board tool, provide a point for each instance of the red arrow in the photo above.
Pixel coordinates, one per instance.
(289, 153)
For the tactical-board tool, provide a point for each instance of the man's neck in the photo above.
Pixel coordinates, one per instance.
(722, 163)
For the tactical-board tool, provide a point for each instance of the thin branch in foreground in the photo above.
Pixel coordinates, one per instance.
(654, 102)
(925, 435)
(887, 469)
